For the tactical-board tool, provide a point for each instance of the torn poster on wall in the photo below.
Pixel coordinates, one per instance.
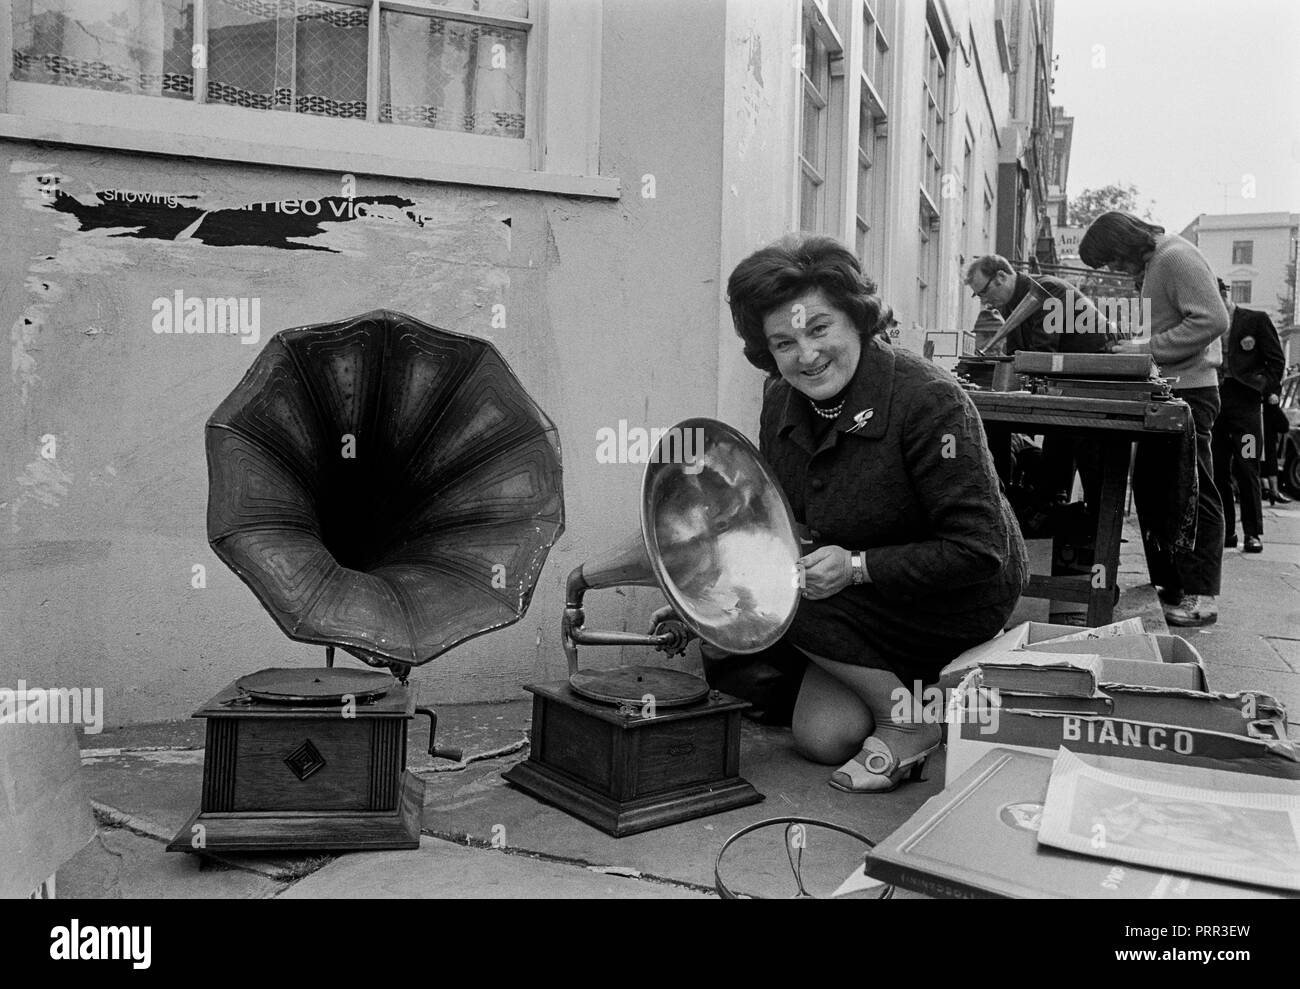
(279, 224)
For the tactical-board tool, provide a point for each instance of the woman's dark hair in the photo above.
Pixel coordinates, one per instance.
(1117, 236)
(773, 276)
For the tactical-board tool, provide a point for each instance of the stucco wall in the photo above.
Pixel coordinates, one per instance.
(758, 142)
(611, 312)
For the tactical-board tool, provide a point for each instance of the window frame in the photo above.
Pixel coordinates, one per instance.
(828, 179)
(1243, 252)
(927, 268)
(935, 82)
(987, 218)
(1240, 291)
(870, 150)
(558, 153)
(936, 85)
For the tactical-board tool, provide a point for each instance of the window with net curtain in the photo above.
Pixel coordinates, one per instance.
(299, 56)
(141, 47)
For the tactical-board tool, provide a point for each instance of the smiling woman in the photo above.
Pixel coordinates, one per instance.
(914, 554)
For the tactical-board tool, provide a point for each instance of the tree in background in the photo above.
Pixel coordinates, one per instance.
(1286, 301)
(1091, 203)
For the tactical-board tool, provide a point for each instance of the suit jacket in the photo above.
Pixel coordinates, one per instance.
(1252, 352)
(904, 474)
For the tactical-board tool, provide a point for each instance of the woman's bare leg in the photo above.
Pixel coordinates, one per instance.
(830, 721)
(887, 700)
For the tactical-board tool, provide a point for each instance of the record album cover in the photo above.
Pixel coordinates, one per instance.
(1251, 837)
(979, 838)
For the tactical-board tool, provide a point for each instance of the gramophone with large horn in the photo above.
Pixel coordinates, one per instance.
(638, 747)
(388, 488)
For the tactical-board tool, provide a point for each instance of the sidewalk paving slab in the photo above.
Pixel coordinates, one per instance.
(1221, 645)
(1288, 649)
(445, 870)
(118, 864)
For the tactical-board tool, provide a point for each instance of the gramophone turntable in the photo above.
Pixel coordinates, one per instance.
(388, 488)
(640, 747)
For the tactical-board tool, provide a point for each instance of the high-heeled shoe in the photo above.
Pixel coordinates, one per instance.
(1276, 497)
(876, 769)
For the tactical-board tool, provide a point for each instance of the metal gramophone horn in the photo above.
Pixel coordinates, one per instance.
(718, 538)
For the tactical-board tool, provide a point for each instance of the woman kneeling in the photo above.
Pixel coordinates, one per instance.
(915, 554)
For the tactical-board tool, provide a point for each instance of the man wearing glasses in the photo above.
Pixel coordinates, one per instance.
(1048, 328)
(996, 284)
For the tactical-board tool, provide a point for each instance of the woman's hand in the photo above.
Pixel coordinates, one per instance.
(826, 571)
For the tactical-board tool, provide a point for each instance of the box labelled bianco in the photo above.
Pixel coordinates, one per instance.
(1244, 731)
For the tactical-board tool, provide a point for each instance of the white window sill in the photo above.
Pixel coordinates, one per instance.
(182, 129)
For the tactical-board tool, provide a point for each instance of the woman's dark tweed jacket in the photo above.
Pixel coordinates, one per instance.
(905, 474)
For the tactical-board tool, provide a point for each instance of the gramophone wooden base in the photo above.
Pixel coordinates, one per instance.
(304, 831)
(305, 777)
(623, 773)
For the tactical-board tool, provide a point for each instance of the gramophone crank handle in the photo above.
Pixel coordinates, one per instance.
(455, 755)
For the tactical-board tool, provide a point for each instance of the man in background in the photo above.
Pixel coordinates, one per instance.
(998, 286)
(1051, 328)
(1252, 368)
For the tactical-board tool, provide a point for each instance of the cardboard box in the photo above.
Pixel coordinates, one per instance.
(1142, 648)
(1148, 659)
(1184, 676)
(1029, 634)
(45, 815)
(1245, 732)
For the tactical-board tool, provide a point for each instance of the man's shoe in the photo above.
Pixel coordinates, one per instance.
(1169, 596)
(1230, 541)
(1193, 611)
(1254, 545)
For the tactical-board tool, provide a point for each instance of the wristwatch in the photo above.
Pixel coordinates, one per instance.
(858, 562)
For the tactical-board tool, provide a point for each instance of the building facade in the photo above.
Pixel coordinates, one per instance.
(1255, 253)
(1024, 170)
(572, 180)
(1058, 202)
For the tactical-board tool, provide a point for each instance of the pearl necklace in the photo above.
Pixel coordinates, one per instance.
(828, 413)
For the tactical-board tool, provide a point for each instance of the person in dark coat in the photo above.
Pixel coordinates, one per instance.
(1252, 368)
(998, 286)
(1050, 329)
(915, 555)
(1276, 426)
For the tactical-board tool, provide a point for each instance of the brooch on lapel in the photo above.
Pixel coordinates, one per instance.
(1247, 343)
(860, 420)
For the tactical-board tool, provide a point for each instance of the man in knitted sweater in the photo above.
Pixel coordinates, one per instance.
(1188, 318)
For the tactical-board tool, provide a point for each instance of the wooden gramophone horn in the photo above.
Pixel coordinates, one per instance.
(384, 486)
(718, 538)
